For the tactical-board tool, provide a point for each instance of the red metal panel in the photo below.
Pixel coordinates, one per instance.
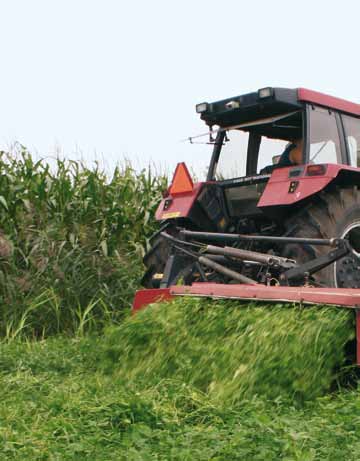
(344, 297)
(277, 188)
(180, 205)
(145, 297)
(328, 101)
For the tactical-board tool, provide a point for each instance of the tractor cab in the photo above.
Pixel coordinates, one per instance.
(256, 131)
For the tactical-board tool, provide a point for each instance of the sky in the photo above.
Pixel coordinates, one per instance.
(110, 79)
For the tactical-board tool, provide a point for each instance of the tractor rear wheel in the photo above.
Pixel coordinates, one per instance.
(332, 214)
(186, 272)
(155, 261)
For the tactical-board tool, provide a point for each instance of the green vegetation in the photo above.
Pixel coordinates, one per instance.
(71, 242)
(67, 399)
(188, 380)
(231, 351)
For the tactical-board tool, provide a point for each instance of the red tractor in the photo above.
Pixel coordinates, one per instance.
(278, 216)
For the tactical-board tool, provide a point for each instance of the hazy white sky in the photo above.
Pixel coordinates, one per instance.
(106, 79)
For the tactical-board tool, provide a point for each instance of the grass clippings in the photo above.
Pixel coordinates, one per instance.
(231, 351)
(57, 404)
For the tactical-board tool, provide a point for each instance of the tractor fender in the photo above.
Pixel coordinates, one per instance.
(291, 185)
(202, 207)
(193, 203)
(180, 200)
(175, 206)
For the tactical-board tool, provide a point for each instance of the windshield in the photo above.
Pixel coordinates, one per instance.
(232, 160)
(249, 148)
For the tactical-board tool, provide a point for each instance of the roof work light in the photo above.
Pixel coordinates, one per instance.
(232, 105)
(266, 92)
(202, 107)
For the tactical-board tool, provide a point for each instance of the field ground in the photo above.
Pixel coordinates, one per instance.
(66, 398)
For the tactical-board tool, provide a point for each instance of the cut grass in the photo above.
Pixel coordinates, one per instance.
(57, 404)
(231, 350)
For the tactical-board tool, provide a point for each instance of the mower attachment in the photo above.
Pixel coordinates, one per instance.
(340, 297)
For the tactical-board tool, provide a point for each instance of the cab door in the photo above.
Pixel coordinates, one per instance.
(325, 137)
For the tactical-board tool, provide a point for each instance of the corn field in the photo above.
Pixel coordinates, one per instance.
(71, 242)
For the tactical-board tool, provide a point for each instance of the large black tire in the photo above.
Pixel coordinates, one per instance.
(155, 261)
(332, 214)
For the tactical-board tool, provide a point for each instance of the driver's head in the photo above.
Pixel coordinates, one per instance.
(296, 153)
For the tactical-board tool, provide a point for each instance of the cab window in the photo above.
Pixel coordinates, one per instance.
(270, 151)
(232, 160)
(324, 137)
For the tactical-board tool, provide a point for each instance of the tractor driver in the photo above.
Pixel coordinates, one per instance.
(292, 155)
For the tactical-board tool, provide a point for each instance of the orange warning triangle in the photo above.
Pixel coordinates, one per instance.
(182, 181)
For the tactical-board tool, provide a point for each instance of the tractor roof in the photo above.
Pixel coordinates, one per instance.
(331, 102)
(269, 102)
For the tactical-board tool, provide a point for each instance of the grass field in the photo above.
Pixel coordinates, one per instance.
(83, 380)
(84, 398)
